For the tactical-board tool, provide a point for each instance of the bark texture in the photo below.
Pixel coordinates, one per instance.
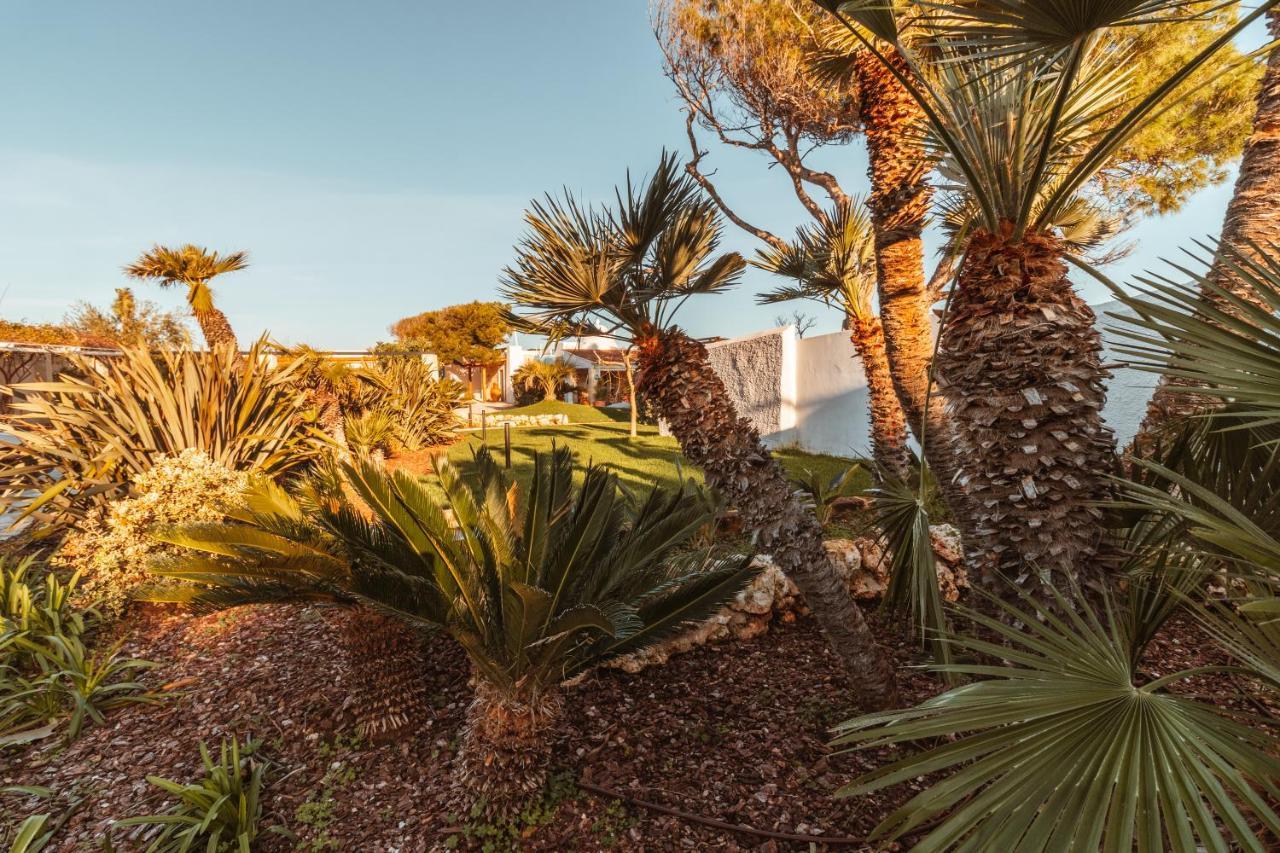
(888, 424)
(677, 379)
(1020, 369)
(386, 666)
(506, 747)
(1252, 216)
(216, 329)
(899, 204)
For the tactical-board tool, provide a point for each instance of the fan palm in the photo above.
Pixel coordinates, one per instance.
(544, 375)
(1024, 104)
(1067, 746)
(536, 585)
(833, 262)
(628, 271)
(193, 267)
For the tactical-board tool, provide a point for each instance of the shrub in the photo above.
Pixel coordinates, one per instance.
(112, 549)
(417, 404)
(81, 439)
(219, 813)
(536, 585)
(544, 376)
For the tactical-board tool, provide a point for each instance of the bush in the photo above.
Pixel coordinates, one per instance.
(82, 439)
(112, 549)
(220, 812)
(417, 405)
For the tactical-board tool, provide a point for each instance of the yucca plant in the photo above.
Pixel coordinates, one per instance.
(536, 585)
(79, 440)
(1066, 745)
(1024, 102)
(219, 813)
(628, 270)
(833, 262)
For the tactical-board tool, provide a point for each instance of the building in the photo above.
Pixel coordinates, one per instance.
(597, 362)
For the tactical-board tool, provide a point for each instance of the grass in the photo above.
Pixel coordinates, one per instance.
(640, 462)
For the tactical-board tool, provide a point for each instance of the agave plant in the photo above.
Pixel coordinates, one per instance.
(1066, 745)
(536, 586)
(80, 439)
(627, 270)
(1025, 101)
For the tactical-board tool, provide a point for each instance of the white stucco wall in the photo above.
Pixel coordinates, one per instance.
(811, 392)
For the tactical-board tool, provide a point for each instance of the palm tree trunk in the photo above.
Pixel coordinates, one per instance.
(1019, 365)
(899, 203)
(506, 747)
(888, 424)
(1252, 217)
(386, 666)
(677, 377)
(634, 414)
(216, 329)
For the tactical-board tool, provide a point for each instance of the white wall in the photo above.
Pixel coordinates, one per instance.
(831, 397)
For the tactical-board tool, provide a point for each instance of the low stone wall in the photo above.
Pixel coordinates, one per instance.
(773, 597)
(527, 420)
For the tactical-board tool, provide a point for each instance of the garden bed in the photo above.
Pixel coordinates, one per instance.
(734, 734)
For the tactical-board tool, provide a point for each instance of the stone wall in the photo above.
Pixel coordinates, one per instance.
(759, 375)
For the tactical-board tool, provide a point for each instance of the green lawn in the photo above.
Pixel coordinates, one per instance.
(649, 458)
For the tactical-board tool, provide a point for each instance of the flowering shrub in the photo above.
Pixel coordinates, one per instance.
(114, 547)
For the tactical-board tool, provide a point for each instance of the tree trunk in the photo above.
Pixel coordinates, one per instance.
(386, 666)
(888, 425)
(506, 747)
(1252, 216)
(631, 392)
(899, 204)
(676, 376)
(216, 329)
(1019, 366)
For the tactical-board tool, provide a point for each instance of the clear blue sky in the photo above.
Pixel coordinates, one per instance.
(374, 158)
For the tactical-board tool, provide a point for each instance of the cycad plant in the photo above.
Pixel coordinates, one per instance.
(628, 270)
(1025, 102)
(536, 585)
(545, 376)
(833, 262)
(193, 267)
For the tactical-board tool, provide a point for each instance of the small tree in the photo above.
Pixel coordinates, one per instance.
(193, 267)
(466, 335)
(129, 322)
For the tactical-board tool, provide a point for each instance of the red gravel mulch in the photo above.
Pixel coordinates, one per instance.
(735, 733)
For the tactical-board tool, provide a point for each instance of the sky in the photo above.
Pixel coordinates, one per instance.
(373, 158)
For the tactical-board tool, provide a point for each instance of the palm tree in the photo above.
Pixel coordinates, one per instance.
(545, 375)
(1024, 104)
(1252, 220)
(536, 585)
(193, 267)
(833, 262)
(628, 271)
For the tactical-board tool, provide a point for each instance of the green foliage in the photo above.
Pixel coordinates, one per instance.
(370, 431)
(487, 833)
(1064, 744)
(627, 269)
(220, 812)
(824, 492)
(418, 405)
(466, 335)
(42, 333)
(535, 584)
(81, 439)
(130, 323)
(31, 837)
(546, 376)
(46, 671)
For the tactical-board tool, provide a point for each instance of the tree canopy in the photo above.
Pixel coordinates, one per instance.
(466, 335)
(129, 321)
